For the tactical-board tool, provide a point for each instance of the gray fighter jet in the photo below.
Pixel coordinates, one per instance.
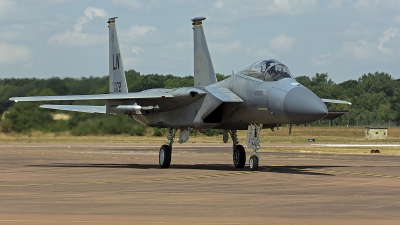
(263, 95)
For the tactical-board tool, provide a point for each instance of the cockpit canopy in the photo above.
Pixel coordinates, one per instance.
(268, 70)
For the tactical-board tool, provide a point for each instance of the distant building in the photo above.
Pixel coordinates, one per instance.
(372, 133)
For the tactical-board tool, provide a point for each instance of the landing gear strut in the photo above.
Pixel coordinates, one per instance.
(252, 140)
(164, 156)
(239, 155)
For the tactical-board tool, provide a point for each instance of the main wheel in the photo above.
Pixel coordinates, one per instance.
(253, 163)
(164, 156)
(239, 156)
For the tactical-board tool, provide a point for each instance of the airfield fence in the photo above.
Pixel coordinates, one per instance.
(345, 123)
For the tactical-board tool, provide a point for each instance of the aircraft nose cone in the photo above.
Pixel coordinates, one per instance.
(302, 106)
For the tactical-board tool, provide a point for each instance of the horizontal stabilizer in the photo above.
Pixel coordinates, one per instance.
(77, 108)
(335, 101)
(119, 96)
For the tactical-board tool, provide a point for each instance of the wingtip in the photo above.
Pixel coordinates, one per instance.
(12, 99)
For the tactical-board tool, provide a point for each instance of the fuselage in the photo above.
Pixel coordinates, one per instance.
(269, 102)
(272, 102)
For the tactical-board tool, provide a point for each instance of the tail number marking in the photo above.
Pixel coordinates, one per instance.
(117, 86)
(116, 61)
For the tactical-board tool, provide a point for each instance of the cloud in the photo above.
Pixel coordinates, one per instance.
(253, 8)
(14, 54)
(367, 4)
(131, 62)
(7, 8)
(225, 48)
(375, 8)
(360, 49)
(28, 66)
(282, 42)
(387, 34)
(184, 31)
(132, 5)
(76, 37)
(183, 44)
(12, 33)
(218, 4)
(337, 4)
(354, 32)
(137, 5)
(135, 31)
(136, 49)
(259, 52)
(218, 32)
(322, 60)
(89, 13)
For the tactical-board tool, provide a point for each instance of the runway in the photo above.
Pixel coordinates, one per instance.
(122, 184)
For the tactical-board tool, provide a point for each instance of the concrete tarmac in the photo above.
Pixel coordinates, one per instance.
(122, 184)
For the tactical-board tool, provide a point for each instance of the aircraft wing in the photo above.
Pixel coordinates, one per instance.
(118, 96)
(335, 101)
(164, 99)
(77, 108)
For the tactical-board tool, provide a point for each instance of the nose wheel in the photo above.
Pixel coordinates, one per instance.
(253, 163)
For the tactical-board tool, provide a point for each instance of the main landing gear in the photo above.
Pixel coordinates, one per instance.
(239, 155)
(164, 156)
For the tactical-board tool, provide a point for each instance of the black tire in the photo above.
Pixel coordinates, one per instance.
(239, 156)
(253, 163)
(164, 156)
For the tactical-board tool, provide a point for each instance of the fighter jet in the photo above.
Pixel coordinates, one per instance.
(263, 95)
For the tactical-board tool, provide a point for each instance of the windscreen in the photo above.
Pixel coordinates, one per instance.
(268, 70)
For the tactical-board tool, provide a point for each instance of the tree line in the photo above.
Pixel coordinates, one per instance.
(375, 97)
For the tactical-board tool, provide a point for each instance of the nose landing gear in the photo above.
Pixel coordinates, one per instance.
(239, 154)
(253, 133)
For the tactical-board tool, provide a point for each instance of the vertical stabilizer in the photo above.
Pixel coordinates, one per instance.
(117, 74)
(203, 68)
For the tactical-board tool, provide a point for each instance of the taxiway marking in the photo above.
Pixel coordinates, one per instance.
(133, 180)
(120, 221)
(352, 173)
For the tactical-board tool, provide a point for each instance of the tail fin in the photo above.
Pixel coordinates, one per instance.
(203, 69)
(117, 74)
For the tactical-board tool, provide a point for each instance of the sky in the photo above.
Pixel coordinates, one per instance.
(69, 38)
